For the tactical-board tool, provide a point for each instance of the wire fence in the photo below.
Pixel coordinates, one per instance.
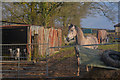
(89, 56)
(84, 45)
(22, 61)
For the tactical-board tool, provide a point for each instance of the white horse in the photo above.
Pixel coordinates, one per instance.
(75, 33)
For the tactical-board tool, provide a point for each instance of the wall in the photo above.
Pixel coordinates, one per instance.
(117, 29)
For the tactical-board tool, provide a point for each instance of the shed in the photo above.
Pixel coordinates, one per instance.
(117, 29)
(20, 33)
(86, 30)
(15, 33)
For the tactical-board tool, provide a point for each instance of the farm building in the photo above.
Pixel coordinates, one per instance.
(85, 30)
(20, 33)
(94, 30)
(117, 29)
(14, 33)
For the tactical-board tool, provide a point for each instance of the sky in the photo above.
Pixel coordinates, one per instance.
(100, 22)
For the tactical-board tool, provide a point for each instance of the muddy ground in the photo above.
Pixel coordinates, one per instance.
(58, 66)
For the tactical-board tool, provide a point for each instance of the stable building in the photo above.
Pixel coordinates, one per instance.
(25, 34)
(117, 29)
(15, 33)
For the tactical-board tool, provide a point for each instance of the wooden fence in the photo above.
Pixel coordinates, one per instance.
(46, 35)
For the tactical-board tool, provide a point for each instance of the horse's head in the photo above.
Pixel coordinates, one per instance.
(72, 33)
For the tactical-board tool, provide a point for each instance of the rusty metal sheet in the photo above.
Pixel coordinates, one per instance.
(56, 39)
(51, 36)
(51, 39)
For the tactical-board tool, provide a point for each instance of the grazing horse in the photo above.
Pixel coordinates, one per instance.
(102, 36)
(75, 33)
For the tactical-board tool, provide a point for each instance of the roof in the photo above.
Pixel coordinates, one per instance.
(13, 26)
(6, 25)
(94, 28)
(117, 25)
(9, 23)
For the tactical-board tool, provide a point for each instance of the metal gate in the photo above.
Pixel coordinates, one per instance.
(27, 61)
(23, 61)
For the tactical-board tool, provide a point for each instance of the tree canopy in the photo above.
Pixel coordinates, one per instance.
(51, 13)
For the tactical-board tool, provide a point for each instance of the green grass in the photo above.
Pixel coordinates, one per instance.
(110, 47)
(69, 52)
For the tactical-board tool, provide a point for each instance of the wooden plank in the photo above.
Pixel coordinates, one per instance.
(46, 33)
(29, 42)
(41, 39)
(56, 39)
(60, 36)
(50, 35)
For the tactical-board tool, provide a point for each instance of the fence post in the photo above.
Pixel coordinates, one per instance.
(35, 48)
(18, 65)
(47, 54)
(29, 42)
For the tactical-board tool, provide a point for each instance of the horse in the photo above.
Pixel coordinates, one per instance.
(102, 36)
(75, 33)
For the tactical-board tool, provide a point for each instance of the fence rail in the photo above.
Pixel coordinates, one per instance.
(21, 67)
(84, 45)
(15, 64)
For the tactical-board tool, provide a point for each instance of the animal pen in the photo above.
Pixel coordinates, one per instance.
(22, 44)
(18, 60)
(21, 68)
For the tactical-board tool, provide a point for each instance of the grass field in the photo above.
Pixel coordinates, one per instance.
(69, 52)
(66, 61)
(115, 47)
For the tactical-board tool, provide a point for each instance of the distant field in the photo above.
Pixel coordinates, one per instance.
(69, 52)
(115, 47)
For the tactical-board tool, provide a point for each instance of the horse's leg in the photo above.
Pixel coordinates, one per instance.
(104, 41)
(99, 41)
(89, 68)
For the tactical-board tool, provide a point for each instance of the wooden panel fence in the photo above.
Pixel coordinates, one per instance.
(47, 35)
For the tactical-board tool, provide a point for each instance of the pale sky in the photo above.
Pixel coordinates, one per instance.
(100, 22)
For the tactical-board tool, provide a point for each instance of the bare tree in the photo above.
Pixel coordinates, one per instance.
(50, 13)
